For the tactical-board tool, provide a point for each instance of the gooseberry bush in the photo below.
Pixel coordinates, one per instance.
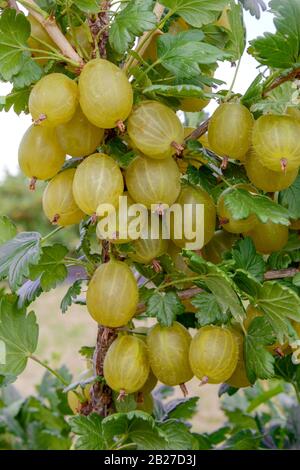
(113, 89)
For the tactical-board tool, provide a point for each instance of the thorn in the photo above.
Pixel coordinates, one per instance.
(156, 266)
(55, 219)
(94, 219)
(184, 390)
(204, 381)
(224, 163)
(279, 352)
(284, 164)
(223, 221)
(121, 126)
(32, 183)
(178, 147)
(41, 119)
(122, 395)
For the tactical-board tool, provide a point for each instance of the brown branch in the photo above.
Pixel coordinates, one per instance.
(54, 32)
(199, 132)
(281, 273)
(13, 4)
(98, 25)
(183, 295)
(294, 75)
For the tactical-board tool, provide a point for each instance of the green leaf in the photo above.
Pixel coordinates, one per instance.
(246, 258)
(282, 48)
(88, 430)
(178, 436)
(30, 73)
(181, 54)
(88, 6)
(254, 6)
(182, 408)
(196, 12)
(209, 311)
(8, 229)
(202, 177)
(236, 33)
(176, 91)
(259, 362)
(254, 92)
(218, 283)
(73, 292)
(29, 291)
(165, 307)
(247, 283)
(119, 152)
(17, 255)
(279, 303)
(50, 268)
(243, 440)
(18, 99)
(138, 426)
(296, 280)
(290, 198)
(279, 260)
(242, 204)
(132, 21)
(278, 100)
(14, 33)
(87, 351)
(19, 334)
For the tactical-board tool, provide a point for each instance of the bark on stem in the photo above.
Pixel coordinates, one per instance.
(13, 4)
(281, 274)
(54, 32)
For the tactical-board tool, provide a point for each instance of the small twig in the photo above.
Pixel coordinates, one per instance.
(294, 75)
(281, 273)
(199, 132)
(49, 24)
(13, 4)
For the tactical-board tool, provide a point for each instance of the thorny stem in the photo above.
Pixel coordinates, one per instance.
(281, 273)
(52, 371)
(49, 24)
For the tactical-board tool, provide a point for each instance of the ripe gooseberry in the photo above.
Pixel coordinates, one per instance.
(221, 242)
(227, 220)
(153, 181)
(70, 135)
(126, 365)
(168, 353)
(58, 201)
(268, 237)
(112, 294)
(265, 179)
(40, 154)
(121, 227)
(214, 354)
(106, 95)
(239, 378)
(276, 141)
(229, 131)
(98, 180)
(53, 100)
(150, 245)
(189, 197)
(155, 130)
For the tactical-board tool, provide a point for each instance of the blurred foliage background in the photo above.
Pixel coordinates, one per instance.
(24, 207)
